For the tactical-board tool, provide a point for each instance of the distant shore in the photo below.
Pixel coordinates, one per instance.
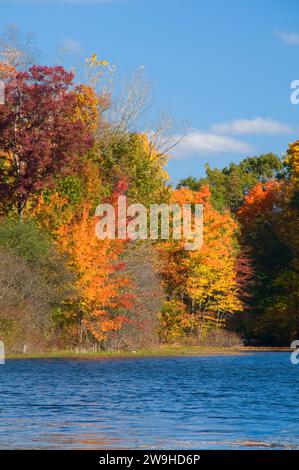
(160, 351)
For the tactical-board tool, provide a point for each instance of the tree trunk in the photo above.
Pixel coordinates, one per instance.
(200, 326)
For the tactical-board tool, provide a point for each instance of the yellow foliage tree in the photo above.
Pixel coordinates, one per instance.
(204, 279)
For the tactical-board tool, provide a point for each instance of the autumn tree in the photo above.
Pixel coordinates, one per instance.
(103, 289)
(205, 280)
(270, 231)
(41, 132)
(17, 48)
(132, 157)
(292, 164)
(229, 185)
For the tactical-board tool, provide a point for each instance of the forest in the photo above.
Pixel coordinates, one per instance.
(69, 142)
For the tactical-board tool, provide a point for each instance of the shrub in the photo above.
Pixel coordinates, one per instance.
(34, 282)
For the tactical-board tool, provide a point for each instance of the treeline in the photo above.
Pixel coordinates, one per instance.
(61, 287)
(262, 194)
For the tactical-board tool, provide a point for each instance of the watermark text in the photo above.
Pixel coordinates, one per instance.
(160, 221)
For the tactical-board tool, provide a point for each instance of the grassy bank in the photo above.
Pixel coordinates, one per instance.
(160, 351)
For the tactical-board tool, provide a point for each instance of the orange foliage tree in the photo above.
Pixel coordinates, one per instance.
(102, 287)
(204, 280)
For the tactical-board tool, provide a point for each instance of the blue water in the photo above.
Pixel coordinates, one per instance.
(216, 402)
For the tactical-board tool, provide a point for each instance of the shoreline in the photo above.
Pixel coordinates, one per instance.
(162, 351)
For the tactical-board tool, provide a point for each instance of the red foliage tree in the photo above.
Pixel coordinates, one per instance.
(41, 131)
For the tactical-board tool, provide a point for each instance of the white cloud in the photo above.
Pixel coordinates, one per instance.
(290, 38)
(197, 142)
(257, 125)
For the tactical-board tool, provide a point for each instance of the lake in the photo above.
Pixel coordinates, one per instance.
(211, 402)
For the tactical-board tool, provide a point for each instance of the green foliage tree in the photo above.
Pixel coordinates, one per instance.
(229, 185)
(131, 157)
(270, 230)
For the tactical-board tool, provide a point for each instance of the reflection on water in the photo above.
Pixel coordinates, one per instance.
(224, 402)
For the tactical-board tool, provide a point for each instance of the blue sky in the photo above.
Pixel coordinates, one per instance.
(223, 67)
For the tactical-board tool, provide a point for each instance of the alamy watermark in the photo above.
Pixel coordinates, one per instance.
(160, 221)
(294, 97)
(295, 354)
(2, 353)
(2, 92)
